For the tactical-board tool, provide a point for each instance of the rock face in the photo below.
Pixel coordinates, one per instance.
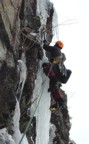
(8, 71)
(60, 118)
(21, 35)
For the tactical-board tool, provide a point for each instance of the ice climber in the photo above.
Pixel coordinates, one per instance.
(55, 69)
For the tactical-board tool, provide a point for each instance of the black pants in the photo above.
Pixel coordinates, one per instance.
(52, 83)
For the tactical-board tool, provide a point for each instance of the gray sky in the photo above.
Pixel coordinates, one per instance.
(76, 47)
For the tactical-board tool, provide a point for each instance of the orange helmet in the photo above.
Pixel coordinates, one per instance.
(60, 44)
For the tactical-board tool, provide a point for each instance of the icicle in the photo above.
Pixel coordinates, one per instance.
(52, 133)
(42, 11)
(22, 72)
(17, 135)
(5, 137)
(42, 113)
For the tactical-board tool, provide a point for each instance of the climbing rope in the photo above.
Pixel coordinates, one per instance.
(31, 43)
(30, 38)
(66, 22)
(29, 123)
(52, 64)
(28, 105)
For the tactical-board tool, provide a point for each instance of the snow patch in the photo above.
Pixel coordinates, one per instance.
(5, 137)
(52, 133)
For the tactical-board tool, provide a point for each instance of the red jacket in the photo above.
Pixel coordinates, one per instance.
(57, 94)
(48, 71)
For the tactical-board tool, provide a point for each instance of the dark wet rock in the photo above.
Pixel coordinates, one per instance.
(16, 40)
(60, 118)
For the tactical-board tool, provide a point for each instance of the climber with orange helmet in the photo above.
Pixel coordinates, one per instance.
(55, 51)
(56, 71)
(57, 58)
(60, 44)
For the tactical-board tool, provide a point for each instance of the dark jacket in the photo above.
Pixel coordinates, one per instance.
(54, 50)
(62, 78)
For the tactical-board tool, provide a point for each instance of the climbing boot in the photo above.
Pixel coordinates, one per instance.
(53, 107)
